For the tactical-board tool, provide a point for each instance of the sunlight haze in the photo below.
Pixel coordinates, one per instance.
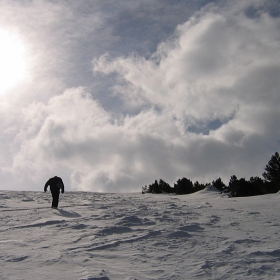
(12, 61)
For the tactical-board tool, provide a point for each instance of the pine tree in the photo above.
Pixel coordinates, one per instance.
(219, 184)
(272, 172)
(183, 186)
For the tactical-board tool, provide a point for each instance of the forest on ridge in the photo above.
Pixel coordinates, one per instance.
(270, 183)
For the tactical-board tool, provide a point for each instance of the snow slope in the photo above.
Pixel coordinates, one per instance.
(133, 236)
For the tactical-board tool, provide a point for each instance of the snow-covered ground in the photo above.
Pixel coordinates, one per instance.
(134, 236)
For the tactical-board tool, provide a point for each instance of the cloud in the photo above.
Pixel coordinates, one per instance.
(203, 105)
(210, 55)
(218, 67)
(74, 132)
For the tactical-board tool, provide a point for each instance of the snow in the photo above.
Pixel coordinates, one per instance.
(105, 236)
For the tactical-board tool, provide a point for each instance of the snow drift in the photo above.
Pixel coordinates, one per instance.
(98, 236)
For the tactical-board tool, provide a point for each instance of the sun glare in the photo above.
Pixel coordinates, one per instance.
(12, 61)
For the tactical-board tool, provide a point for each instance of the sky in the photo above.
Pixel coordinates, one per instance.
(111, 95)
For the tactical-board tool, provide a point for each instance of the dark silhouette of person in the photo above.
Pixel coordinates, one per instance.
(56, 184)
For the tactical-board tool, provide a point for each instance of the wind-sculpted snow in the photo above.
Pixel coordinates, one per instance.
(95, 236)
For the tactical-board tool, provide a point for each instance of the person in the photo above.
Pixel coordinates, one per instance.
(56, 184)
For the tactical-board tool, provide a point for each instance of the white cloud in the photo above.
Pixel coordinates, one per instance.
(207, 60)
(204, 105)
(219, 66)
(72, 132)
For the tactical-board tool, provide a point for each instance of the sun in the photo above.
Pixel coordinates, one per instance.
(13, 61)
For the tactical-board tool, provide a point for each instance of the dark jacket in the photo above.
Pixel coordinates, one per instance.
(55, 184)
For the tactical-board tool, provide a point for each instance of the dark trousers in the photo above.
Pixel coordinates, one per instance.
(55, 198)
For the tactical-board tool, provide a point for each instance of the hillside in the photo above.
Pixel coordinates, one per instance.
(103, 236)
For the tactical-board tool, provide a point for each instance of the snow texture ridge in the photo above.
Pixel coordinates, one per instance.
(95, 236)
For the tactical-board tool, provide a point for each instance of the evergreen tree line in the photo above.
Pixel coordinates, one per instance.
(270, 183)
